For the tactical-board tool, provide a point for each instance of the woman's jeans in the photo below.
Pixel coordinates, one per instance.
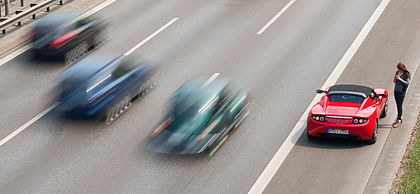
(399, 99)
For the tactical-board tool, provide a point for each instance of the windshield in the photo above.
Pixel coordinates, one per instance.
(189, 116)
(345, 98)
(187, 120)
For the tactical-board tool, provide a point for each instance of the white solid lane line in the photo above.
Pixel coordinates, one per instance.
(40, 115)
(281, 154)
(275, 17)
(24, 48)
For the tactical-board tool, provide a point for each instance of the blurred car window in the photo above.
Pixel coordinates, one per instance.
(186, 117)
(124, 67)
(103, 78)
(84, 21)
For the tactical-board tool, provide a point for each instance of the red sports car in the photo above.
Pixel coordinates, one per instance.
(349, 111)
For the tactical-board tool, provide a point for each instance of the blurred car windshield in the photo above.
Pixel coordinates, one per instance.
(123, 68)
(187, 119)
(345, 98)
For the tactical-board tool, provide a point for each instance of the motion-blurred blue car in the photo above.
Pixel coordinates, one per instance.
(103, 85)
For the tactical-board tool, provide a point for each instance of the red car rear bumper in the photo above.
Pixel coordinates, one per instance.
(358, 131)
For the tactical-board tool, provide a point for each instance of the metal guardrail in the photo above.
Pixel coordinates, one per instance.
(31, 12)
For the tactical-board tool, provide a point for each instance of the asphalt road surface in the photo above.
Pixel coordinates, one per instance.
(282, 68)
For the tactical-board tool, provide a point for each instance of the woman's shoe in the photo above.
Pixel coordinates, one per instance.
(397, 123)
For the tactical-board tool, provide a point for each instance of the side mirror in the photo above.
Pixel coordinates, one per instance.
(380, 92)
(320, 91)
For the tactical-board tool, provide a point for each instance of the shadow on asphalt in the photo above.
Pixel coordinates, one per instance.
(31, 64)
(385, 125)
(45, 60)
(86, 124)
(329, 143)
(202, 157)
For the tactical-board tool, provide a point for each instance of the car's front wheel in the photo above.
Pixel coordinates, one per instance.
(374, 135)
(148, 86)
(384, 112)
(117, 110)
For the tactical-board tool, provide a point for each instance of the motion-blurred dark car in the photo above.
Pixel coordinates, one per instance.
(103, 85)
(66, 34)
(202, 114)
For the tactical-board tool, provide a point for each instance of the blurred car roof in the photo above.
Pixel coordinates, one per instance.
(88, 66)
(198, 90)
(57, 18)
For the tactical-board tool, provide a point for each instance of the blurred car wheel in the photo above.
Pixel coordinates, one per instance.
(99, 39)
(309, 136)
(76, 53)
(117, 110)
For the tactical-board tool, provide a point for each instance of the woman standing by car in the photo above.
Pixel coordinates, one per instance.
(401, 80)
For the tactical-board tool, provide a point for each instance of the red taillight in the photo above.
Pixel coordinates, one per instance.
(63, 39)
(320, 118)
(93, 102)
(28, 36)
(161, 127)
(82, 103)
(208, 129)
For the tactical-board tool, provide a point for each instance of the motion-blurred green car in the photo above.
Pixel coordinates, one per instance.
(202, 114)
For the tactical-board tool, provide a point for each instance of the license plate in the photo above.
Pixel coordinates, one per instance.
(338, 131)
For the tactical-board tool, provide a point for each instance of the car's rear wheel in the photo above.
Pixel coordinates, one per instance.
(219, 142)
(148, 86)
(76, 53)
(144, 88)
(310, 137)
(212, 149)
(99, 39)
(384, 112)
(244, 113)
(374, 135)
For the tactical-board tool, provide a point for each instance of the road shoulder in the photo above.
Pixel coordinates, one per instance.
(395, 146)
(12, 41)
(390, 160)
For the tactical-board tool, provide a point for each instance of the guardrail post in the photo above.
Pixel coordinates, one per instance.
(6, 7)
